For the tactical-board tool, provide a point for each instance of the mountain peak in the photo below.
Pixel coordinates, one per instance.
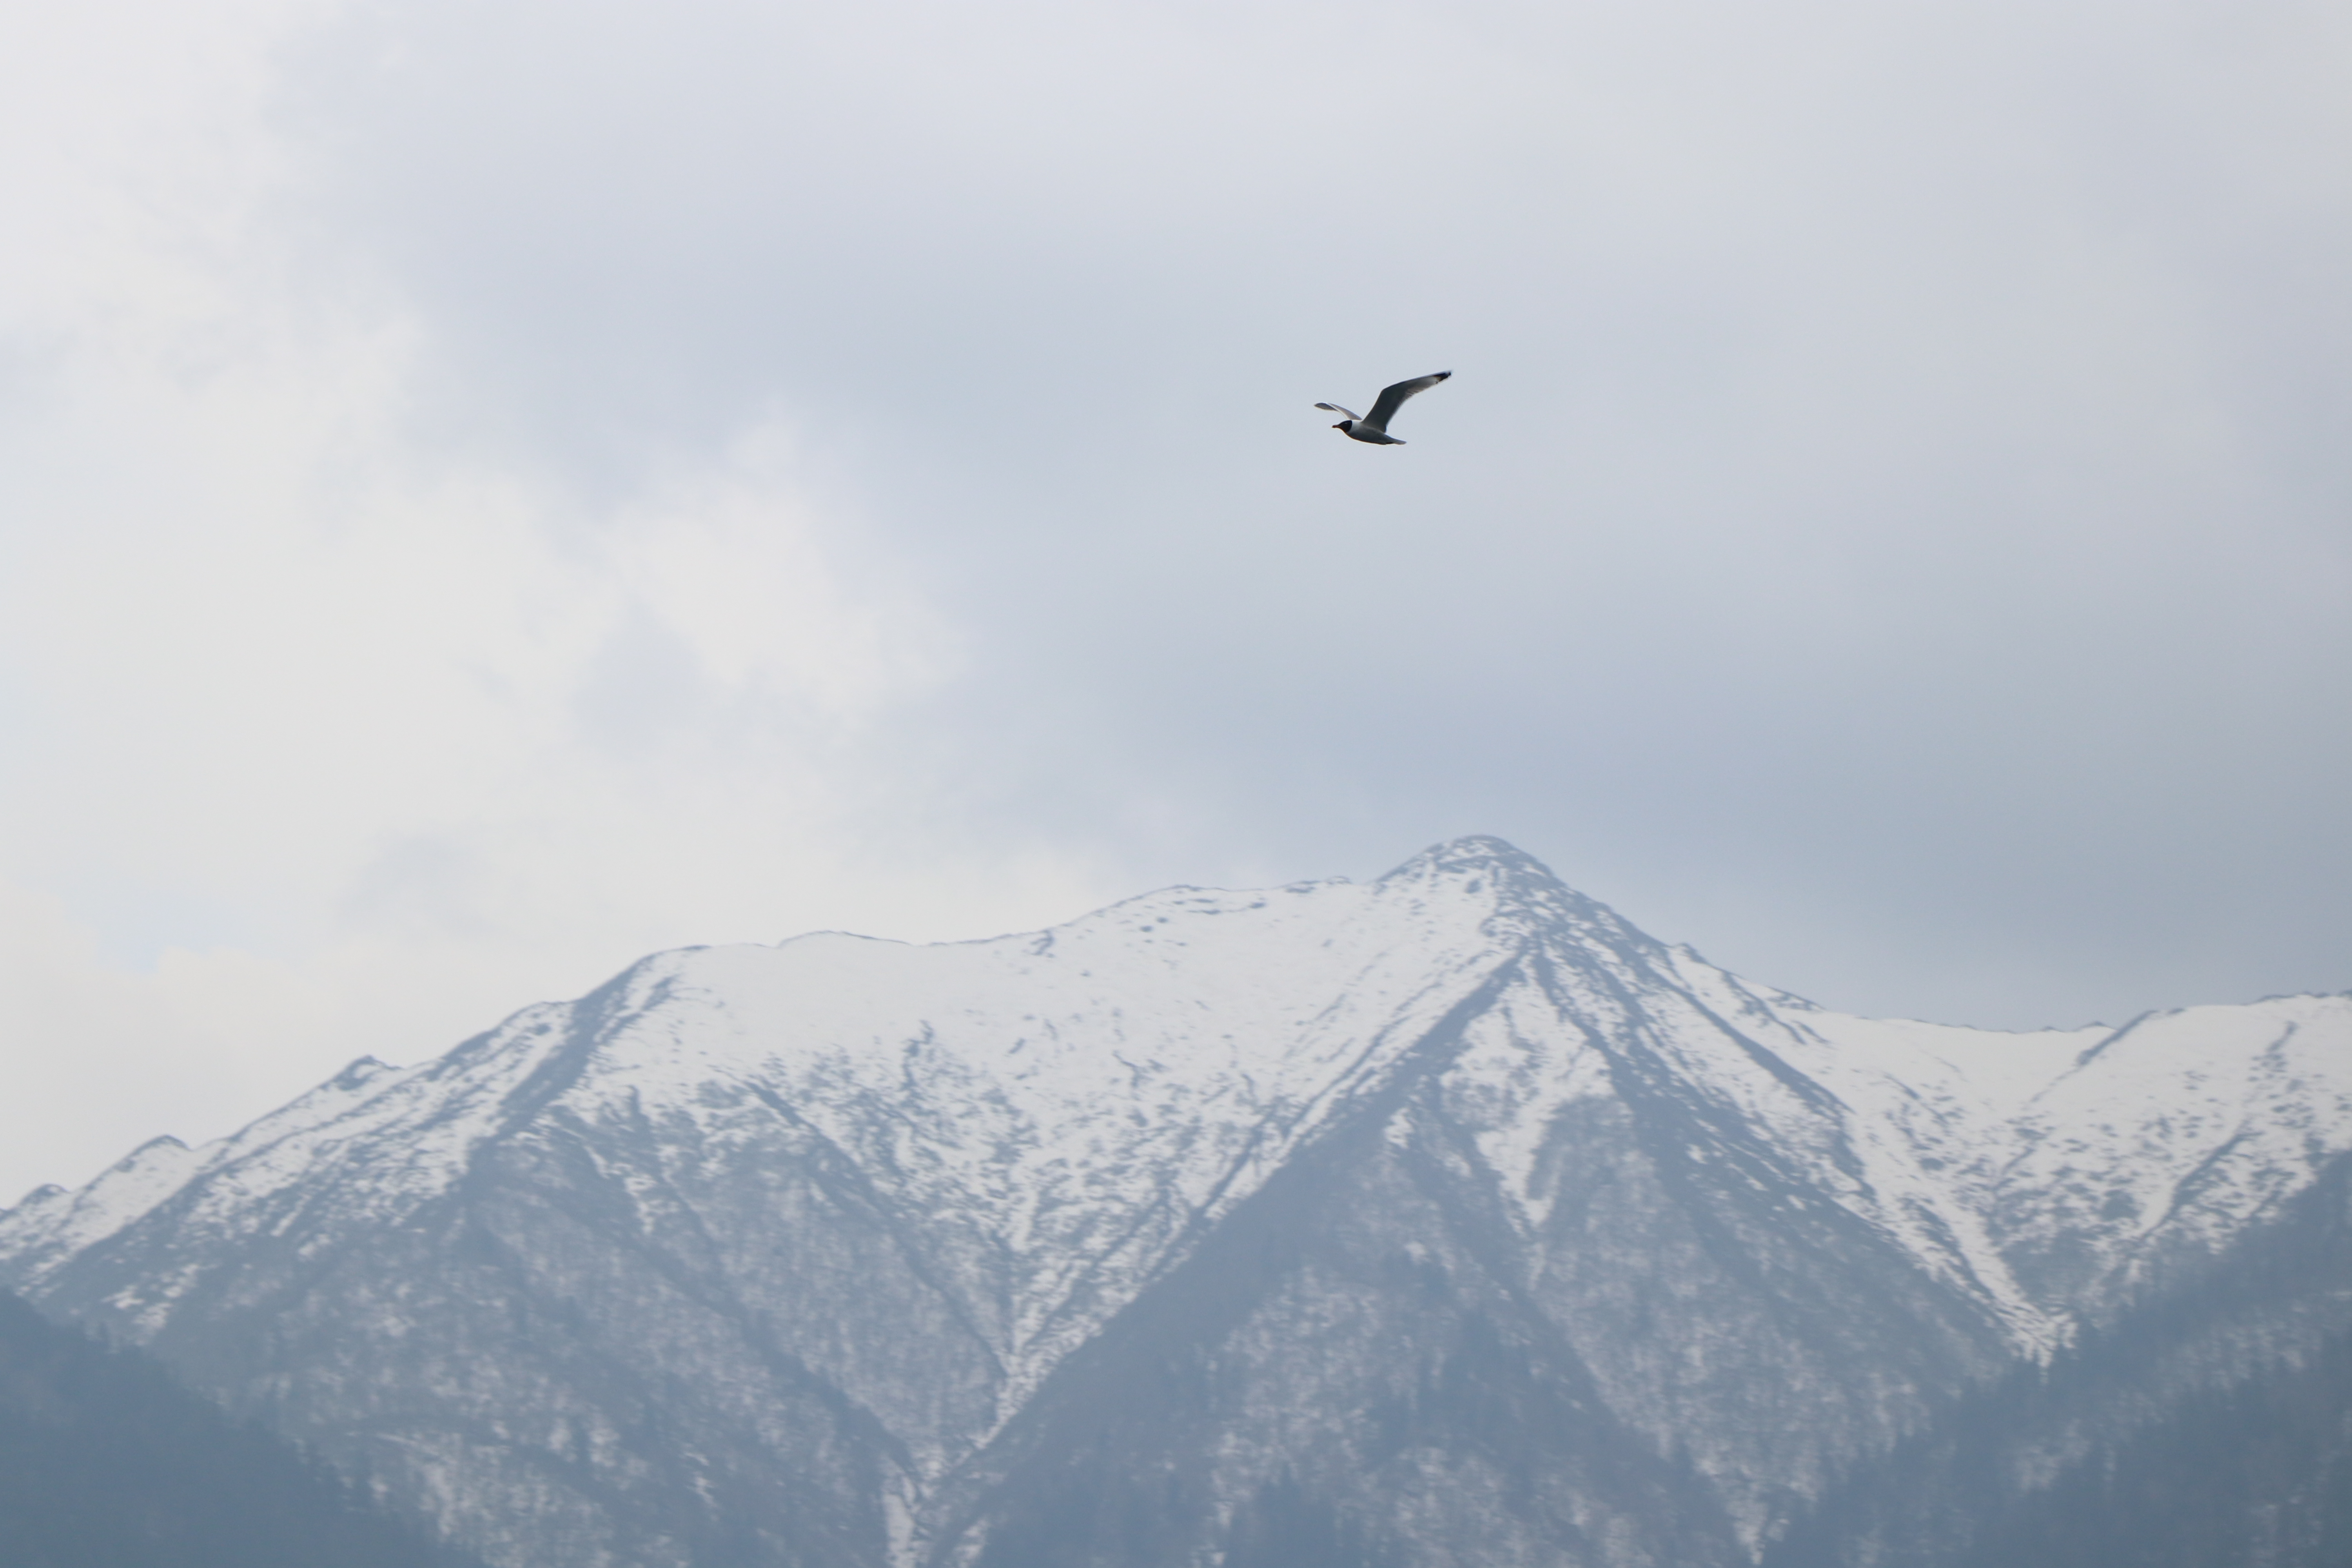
(1471, 853)
(1525, 893)
(1482, 862)
(901, 1238)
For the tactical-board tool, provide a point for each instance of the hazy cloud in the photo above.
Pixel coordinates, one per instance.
(492, 488)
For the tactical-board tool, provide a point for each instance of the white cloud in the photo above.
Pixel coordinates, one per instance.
(324, 741)
(489, 489)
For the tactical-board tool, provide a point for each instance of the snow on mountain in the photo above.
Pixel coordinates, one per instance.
(902, 1194)
(2169, 1138)
(52, 1225)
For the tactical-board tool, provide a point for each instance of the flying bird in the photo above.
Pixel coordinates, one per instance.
(1374, 427)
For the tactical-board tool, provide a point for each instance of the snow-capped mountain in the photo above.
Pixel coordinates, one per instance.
(1438, 1219)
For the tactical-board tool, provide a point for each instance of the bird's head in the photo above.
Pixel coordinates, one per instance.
(1343, 425)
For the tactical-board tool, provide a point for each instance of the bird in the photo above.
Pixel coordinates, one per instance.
(1373, 428)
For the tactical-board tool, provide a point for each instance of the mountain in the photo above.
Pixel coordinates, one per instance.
(105, 1462)
(1442, 1219)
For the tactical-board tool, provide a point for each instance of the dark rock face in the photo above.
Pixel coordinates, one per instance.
(1442, 1220)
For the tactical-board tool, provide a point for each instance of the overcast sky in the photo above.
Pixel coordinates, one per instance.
(489, 491)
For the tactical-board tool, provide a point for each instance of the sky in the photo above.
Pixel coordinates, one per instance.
(490, 490)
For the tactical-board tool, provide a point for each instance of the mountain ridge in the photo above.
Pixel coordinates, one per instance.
(823, 1247)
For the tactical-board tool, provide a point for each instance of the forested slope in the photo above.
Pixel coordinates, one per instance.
(105, 1462)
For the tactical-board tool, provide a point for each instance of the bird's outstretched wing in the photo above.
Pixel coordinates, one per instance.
(1337, 409)
(1392, 397)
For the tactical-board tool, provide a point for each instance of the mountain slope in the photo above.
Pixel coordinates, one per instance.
(105, 1463)
(1442, 1217)
(2214, 1427)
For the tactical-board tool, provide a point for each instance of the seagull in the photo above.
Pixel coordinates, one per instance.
(1375, 428)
